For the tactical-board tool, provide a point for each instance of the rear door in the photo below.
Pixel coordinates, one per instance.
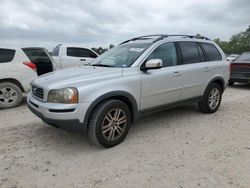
(194, 69)
(76, 56)
(199, 65)
(41, 58)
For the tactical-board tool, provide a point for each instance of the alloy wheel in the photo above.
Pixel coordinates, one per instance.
(214, 98)
(114, 124)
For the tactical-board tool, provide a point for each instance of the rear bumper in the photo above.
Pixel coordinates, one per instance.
(241, 78)
(71, 121)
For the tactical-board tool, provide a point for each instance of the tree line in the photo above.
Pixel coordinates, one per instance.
(101, 50)
(237, 44)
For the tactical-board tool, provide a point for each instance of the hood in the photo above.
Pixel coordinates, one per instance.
(73, 77)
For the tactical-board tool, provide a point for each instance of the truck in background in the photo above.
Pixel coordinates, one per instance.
(70, 55)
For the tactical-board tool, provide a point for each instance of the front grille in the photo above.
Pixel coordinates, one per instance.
(37, 91)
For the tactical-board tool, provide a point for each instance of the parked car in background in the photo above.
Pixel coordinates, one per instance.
(232, 57)
(70, 56)
(18, 67)
(240, 69)
(140, 75)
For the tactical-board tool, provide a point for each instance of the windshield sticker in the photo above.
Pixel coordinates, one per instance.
(136, 49)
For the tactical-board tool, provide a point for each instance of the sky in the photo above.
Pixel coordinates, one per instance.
(94, 23)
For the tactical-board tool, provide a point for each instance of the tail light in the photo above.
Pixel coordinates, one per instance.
(30, 65)
(230, 67)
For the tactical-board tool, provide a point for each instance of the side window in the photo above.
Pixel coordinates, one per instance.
(189, 52)
(212, 53)
(80, 52)
(55, 51)
(167, 53)
(6, 55)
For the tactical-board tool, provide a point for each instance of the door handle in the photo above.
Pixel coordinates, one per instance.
(82, 59)
(206, 69)
(177, 73)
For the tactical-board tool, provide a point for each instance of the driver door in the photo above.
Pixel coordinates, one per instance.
(162, 86)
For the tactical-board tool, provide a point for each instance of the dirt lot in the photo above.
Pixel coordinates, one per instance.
(175, 148)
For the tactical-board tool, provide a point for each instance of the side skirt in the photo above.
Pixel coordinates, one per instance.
(169, 106)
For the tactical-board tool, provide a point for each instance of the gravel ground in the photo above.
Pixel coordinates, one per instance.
(176, 148)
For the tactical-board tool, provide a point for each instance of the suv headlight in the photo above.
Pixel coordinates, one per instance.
(65, 95)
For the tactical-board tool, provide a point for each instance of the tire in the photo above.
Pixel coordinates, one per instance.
(231, 83)
(105, 115)
(10, 95)
(211, 99)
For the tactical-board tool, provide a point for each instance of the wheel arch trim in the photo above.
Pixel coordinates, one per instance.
(114, 95)
(14, 81)
(217, 78)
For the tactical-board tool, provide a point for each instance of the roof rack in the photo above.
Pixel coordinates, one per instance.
(159, 37)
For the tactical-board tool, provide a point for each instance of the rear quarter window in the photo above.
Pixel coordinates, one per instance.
(211, 51)
(6, 55)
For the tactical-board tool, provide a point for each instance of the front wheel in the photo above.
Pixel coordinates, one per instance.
(109, 124)
(211, 99)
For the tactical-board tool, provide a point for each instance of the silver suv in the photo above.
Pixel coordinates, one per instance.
(142, 74)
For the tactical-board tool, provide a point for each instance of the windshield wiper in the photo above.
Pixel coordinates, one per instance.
(101, 65)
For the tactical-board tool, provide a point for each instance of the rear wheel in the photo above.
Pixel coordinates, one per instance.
(10, 95)
(109, 124)
(211, 99)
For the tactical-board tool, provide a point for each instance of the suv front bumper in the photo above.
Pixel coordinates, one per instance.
(68, 117)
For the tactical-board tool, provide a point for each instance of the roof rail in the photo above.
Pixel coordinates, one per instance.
(144, 37)
(159, 37)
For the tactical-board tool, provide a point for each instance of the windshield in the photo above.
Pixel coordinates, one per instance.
(121, 56)
(245, 57)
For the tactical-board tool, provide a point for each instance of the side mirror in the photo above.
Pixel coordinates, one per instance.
(152, 64)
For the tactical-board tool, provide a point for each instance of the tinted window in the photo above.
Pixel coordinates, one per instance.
(165, 52)
(40, 58)
(80, 52)
(212, 53)
(35, 54)
(202, 56)
(189, 52)
(55, 51)
(6, 55)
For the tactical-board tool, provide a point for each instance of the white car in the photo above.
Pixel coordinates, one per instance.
(18, 67)
(232, 57)
(70, 56)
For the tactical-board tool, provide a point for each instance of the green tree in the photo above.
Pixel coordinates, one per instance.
(238, 43)
(99, 50)
(111, 46)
